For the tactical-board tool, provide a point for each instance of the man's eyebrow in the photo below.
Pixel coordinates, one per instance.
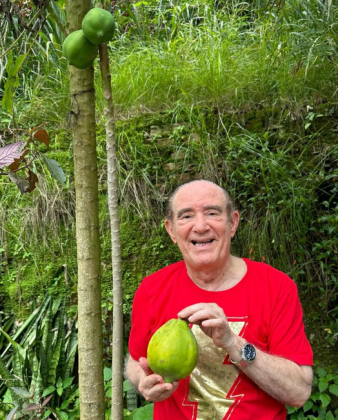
(217, 208)
(181, 212)
(188, 209)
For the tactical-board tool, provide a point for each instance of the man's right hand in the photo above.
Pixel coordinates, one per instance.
(150, 385)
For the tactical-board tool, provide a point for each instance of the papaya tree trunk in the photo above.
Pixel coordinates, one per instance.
(91, 386)
(117, 351)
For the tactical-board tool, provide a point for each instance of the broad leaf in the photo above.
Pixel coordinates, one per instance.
(127, 386)
(20, 182)
(32, 180)
(323, 385)
(48, 390)
(9, 153)
(107, 373)
(334, 389)
(307, 406)
(144, 413)
(329, 416)
(55, 169)
(325, 399)
(42, 136)
(67, 382)
(22, 392)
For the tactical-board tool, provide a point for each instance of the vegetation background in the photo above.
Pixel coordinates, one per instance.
(242, 93)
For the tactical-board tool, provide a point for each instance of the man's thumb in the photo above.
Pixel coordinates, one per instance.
(145, 366)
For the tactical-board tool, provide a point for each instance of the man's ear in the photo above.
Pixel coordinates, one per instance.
(234, 223)
(170, 230)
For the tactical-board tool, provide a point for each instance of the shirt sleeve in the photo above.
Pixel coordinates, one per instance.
(141, 325)
(287, 334)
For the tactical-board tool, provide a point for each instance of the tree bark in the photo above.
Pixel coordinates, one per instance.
(91, 386)
(117, 352)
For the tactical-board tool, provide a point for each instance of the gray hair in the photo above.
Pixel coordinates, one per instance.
(228, 200)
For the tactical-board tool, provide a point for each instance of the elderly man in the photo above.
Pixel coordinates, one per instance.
(254, 356)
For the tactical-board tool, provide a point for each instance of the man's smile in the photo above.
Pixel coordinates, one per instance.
(202, 243)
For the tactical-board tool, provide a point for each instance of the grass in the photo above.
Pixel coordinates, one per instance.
(228, 60)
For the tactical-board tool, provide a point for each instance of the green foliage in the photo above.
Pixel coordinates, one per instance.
(242, 94)
(323, 402)
(39, 360)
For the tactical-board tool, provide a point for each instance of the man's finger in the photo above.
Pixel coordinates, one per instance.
(145, 366)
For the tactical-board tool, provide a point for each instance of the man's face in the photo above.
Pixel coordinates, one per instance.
(200, 226)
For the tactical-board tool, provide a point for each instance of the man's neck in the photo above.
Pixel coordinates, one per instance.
(222, 278)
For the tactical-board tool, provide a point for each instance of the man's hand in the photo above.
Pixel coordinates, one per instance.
(213, 322)
(150, 385)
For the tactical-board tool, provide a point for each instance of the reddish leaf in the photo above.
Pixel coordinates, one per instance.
(32, 407)
(10, 153)
(32, 180)
(42, 136)
(46, 401)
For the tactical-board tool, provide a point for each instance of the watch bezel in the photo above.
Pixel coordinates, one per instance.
(245, 361)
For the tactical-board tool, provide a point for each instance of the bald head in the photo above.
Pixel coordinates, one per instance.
(203, 184)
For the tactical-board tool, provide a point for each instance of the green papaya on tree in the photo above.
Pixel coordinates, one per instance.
(98, 25)
(172, 350)
(78, 50)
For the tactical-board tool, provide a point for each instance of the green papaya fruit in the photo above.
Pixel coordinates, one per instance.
(98, 25)
(78, 50)
(172, 350)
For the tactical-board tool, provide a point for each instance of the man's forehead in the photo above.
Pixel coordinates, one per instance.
(199, 195)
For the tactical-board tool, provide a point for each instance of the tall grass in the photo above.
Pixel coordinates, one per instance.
(227, 59)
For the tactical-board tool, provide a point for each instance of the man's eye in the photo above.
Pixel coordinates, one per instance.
(186, 216)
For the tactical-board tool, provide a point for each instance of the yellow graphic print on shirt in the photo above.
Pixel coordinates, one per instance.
(211, 380)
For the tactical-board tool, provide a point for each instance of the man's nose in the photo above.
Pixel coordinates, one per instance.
(201, 223)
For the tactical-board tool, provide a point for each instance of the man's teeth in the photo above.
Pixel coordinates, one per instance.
(202, 243)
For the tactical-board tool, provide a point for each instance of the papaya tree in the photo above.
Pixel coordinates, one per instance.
(91, 389)
(117, 347)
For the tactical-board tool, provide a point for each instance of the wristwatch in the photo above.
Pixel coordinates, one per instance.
(248, 356)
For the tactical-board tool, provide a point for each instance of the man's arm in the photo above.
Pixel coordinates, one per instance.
(150, 385)
(281, 378)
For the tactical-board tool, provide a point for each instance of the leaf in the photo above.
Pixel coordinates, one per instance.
(67, 382)
(42, 136)
(127, 386)
(22, 392)
(323, 385)
(307, 406)
(321, 372)
(11, 414)
(18, 62)
(21, 350)
(59, 383)
(334, 389)
(55, 169)
(329, 416)
(48, 390)
(107, 372)
(325, 399)
(9, 153)
(31, 407)
(144, 413)
(59, 391)
(32, 180)
(46, 401)
(20, 182)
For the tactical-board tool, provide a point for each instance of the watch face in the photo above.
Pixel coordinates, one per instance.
(249, 353)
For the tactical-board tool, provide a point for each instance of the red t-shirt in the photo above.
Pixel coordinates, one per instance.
(263, 308)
